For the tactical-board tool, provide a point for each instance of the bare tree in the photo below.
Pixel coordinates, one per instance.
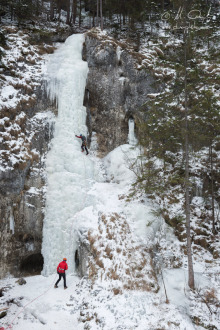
(101, 15)
(68, 12)
(97, 13)
(212, 190)
(187, 200)
(74, 11)
(51, 9)
(80, 12)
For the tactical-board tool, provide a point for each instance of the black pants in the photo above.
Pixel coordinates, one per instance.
(84, 146)
(62, 275)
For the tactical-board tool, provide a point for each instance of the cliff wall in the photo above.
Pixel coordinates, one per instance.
(117, 86)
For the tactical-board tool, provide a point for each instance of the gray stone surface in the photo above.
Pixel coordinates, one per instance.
(82, 254)
(22, 195)
(21, 281)
(116, 89)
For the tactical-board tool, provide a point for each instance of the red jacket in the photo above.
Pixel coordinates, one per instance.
(62, 267)
(83, 138)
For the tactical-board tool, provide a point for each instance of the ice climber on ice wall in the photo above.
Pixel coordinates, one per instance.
(83, 138)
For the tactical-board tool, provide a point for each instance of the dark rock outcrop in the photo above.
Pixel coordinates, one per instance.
(117, 86)
(82, 253)
(21, 281)
(22, 193)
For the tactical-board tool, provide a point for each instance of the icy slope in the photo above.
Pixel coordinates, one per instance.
(68, 171)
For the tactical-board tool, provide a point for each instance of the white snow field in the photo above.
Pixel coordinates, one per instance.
(81, 187)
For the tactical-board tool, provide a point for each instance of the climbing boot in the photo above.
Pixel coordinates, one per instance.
(55, 286)
(65, 287)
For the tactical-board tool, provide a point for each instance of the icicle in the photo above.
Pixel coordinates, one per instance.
(131, 135)
(12, 222)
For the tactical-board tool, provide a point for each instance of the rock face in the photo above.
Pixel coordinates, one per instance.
(83, 253)
(22, 193)
(117, 86)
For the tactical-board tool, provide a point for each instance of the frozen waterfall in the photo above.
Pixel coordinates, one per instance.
(131, 135)
(68, 170)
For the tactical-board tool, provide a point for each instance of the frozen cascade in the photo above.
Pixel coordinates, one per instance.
(131, 135)
(69, 171)
(12, 222)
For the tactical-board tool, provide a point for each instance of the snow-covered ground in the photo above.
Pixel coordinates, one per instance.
(37, 305)
(81, 305)
(83, 191)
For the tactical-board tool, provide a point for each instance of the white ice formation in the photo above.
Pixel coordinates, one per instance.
(131, 134)
(68, 170)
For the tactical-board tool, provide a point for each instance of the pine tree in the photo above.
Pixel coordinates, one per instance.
(207, 131)
(161, 117)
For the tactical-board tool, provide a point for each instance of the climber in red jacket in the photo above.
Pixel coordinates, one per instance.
(83, 138)
(61, 268)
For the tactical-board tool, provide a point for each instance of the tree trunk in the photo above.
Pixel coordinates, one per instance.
(212, 188)
(123, 12)
(37, 7)
(187, 202)
(80, 11)
(68, 12)
(97, 14)
(74, 11)
(101, 15)
(12, 12)
(93, 18)
(51, 10)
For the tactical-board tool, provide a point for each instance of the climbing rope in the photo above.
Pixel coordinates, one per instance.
(10, 326)
(81, 208)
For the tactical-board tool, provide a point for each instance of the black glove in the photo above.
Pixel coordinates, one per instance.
(57, 272)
